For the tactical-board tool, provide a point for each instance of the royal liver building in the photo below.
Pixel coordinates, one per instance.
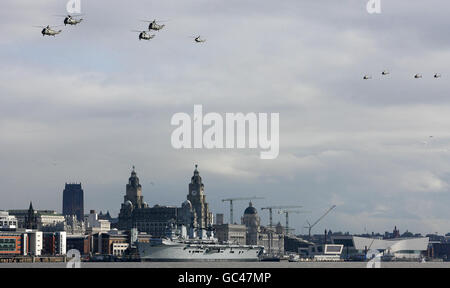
(197, 199)
(194, 213)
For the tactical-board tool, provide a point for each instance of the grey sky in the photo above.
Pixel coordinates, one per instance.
(89, 104)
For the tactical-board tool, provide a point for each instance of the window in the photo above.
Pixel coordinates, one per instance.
(8, 245)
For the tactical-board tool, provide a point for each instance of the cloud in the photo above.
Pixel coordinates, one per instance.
(89, 104)
(423, 182)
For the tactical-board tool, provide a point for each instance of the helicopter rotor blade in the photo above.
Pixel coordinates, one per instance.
(49, 26)
(71, 15)
(157, 21)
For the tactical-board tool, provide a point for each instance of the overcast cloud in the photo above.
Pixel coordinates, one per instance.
(90, 103)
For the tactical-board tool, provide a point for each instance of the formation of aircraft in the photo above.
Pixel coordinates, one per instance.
(71, 20)
(153, 26)
(157, 26)
(74, 20)
(386, 72)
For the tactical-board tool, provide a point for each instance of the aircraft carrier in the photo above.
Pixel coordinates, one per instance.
(188, 250)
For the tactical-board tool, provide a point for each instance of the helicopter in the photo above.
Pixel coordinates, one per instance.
(437, 75)
(154, 25)
(385, 72)
(70, 19)
(417, 76)
(47, 30)
(143, 35)
(198, 39)
(367, 77)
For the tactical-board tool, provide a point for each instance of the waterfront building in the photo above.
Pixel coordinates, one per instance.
(82, 243)
(398, 248)
(349, 251)
(271, 239)
(35, 243)
(72, 226)
(12, 244)
(54, 243)
(219, 219)
(252, 221)
(231, 233)
(20, 243)
(37, 219)
(119, 249)
(106, 216)
(94, 224)
(157, 220)
(7, 222)
(294, 244)
(280, 229)
(197, 197)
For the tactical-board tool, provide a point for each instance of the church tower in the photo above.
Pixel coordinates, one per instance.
(31, 219)
(198, 200)
(134, 191)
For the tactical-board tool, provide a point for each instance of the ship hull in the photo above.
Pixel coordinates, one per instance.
(181, 252)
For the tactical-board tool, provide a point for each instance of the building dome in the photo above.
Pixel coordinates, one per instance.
(129, 204)
(187, 203)
(250, 210)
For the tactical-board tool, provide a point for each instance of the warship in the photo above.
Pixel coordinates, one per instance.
(176, 248)
(186, 250)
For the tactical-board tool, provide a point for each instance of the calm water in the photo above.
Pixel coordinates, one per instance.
(232, 265)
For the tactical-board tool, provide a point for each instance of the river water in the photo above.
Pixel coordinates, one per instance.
(238, 265)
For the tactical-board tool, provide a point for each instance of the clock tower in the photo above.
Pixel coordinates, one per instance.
(198, 199)
(134, 191)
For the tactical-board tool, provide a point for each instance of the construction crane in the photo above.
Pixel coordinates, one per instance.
(277, 208)
(231, 200)
(310, 226)
(287, 212)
